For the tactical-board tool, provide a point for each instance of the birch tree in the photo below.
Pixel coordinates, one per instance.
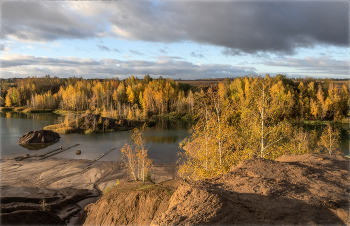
(209, 148)
(261, 130)
(135, 156)
(330, 139)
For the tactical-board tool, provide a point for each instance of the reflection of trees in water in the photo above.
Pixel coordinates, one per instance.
(35, 147)
(51, 117)
(43, 116)
(12, 114)
(160, 140)
(172, 124)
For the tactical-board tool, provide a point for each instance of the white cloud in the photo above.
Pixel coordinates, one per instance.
(17, 65)
(322, 64)
(30, 47)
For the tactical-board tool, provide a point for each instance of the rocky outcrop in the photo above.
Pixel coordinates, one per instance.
(130, 203)
(303, 190)
(39, 136)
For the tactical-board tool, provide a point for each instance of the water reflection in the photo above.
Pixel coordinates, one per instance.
(172, 124)
(161, 140)
(35, 147)
(48, 117)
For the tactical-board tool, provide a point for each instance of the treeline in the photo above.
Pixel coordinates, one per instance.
(130, 98)
(250, 117)
(141, 98)
(310, 99)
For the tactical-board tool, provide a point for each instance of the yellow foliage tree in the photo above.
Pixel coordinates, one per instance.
(136, 157)
(130, 115)
(261, 128)
(8, 101)
(208, 151)
(330, 139)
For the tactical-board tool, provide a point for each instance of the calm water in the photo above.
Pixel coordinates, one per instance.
(162, 140)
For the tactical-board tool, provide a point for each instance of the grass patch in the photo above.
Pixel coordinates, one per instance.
(173, 116)
(108, 189)
(318, 122)
(186, 117)
(122, 129)
(63, 112)
(19, 108)
(90, 131)
(153, 187)
(60, 128)
(344, 120)
(6, 108)
(32, 110)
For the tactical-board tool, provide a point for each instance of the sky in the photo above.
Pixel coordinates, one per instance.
(174, 39)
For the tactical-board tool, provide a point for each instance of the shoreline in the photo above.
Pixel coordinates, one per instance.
(65, 187)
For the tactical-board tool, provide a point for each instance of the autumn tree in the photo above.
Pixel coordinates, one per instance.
(135, 156)
(261, 127)
(330, 139)
(208, 151)
(301, 142)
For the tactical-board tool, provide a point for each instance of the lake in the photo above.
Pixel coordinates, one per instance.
(162, 140)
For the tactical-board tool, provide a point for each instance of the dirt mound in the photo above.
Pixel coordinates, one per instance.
(130, 203)
(304, 190)
(39, 136)
(30, 217)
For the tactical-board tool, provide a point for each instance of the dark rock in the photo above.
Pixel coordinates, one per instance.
(39, 136)
(30, 217)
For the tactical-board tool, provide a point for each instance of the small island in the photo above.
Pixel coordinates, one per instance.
(92, 123)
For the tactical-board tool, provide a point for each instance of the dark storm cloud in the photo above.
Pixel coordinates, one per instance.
(241, 26)
(45, 21)
(248, 27)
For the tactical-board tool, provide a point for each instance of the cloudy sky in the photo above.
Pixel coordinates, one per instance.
(175, 39)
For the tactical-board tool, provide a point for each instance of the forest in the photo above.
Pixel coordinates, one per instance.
(135, 98)
(235, 119)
